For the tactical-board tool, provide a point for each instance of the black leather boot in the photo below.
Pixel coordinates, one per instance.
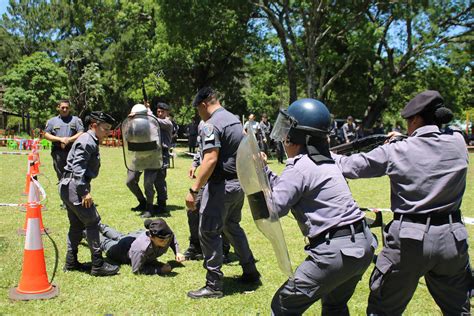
(140, 207)
(72, 264)
(205, 292)
(102, 268)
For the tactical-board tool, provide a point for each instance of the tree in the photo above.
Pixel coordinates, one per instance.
(34, 86)
(307, 31)
(30, 21)
(410, 34)
(209, 53)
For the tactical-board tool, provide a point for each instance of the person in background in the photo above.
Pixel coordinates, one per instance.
(349, 130)
(62, 131)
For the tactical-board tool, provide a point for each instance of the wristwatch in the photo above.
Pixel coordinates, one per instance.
(192, 191)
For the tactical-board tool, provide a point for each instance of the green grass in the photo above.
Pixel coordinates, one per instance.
(137, 294)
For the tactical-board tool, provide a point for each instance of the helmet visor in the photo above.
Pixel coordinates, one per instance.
(282, 126)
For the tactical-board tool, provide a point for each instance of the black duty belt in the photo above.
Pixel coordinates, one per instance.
(222, 177)
(70, 175)
(358, 227)
(431, 219)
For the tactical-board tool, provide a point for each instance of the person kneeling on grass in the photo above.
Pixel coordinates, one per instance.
(141, 248)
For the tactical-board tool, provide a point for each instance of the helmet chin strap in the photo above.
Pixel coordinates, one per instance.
(318, 150)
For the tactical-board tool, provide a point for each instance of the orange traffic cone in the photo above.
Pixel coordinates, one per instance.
(33, 209)
(34, 279)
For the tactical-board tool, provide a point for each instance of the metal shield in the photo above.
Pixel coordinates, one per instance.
(142, 142)
(254, 182)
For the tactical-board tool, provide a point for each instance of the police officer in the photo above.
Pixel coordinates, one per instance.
(194, 251)
(62, 131)
(133, 177)
(156, 179)
(83, 163)
(340, 245)
(140, 249)
(349, 130)
(222, 199)
(427, 173)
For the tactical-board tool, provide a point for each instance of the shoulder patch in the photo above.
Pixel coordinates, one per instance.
(208, 131)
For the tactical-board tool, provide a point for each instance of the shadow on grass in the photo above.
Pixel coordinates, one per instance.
(174, 207)
(232, 285)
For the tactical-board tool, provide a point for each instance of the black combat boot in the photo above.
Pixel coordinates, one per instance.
(161, 208)
(193, 252)
(205, 292)
(72, 264)
(250, 278)
(102, 268)
(140, 207)
(150, 212)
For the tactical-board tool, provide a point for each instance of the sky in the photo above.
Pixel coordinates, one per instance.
(3, 6)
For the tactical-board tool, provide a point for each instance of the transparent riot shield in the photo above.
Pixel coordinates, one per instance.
(141, 142)
(254, 182)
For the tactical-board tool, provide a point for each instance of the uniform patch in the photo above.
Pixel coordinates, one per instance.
(208, 131)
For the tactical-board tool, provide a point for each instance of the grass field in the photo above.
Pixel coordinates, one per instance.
(138, 294)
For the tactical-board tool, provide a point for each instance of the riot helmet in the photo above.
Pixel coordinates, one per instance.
(303, 117)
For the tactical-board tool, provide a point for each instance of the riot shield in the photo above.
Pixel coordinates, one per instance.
(141, 142)
(254, 182)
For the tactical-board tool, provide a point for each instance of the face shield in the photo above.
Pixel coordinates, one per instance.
(282, 126)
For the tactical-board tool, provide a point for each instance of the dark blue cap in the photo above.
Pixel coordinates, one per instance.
(423, 101)
(158, 228)
(203, 94)
(163, 106)
(99, 116)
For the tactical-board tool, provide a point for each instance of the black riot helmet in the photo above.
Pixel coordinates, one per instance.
(304, 117)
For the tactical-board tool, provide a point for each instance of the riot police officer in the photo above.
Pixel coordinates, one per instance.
(62, 131)
(340, 245)
(83, 163)
(156, 179)
(427, 173)
(223, 198)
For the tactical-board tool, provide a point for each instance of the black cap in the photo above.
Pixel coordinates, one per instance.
(421, 102)
(158, 228)
(203, 94)
(163, 106)
(99, 116)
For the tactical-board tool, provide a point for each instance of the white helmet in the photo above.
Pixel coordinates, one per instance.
(139, 108)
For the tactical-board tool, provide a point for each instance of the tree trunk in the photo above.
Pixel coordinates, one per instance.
(28, 125)
(22, 121)
(291, 81)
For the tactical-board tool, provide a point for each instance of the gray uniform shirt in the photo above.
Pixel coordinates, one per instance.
(427, 171)
(63, 127)
(83, 161)
(349, 131)
(317, 195)
(142, 252)
(224, 131)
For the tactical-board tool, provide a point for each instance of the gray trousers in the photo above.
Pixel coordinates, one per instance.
(155, 179)
(59, 162)
(116, 245)
(80, 218)
(439, 253)
(330, 273)
(221, 211)
(133, 179)
(193, 221)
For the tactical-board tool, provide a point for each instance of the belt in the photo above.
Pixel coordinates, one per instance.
(431, 219)
(70, 175)
(357, 227)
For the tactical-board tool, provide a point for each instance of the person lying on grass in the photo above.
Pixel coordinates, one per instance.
(141, 248)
